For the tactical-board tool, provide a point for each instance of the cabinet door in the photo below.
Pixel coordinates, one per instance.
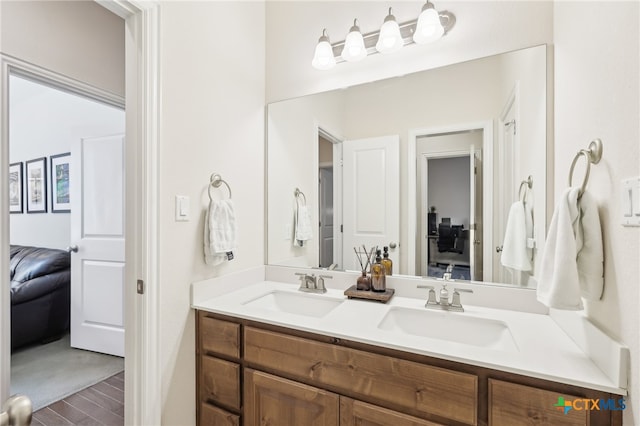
(358, 413)
(271, 400)
(513, 405)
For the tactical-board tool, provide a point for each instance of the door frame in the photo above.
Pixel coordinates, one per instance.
(412, 210)
(336, 140)
(143, 400)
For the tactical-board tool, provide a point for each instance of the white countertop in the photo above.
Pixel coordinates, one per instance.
(542, 349)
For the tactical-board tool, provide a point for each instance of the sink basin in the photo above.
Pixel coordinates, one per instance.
(309, 305)
(442, 325)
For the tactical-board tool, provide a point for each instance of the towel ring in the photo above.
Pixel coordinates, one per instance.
(526, 184)
(592, 155)
(297, 193)
(214, 182)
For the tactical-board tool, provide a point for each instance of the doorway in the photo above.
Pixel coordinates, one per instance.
(141, 307)
(46, 125)
(451, 234)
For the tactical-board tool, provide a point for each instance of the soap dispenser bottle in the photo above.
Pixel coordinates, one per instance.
(378, 281)
(386, 262)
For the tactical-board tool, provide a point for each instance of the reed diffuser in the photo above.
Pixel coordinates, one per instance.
(364, 281)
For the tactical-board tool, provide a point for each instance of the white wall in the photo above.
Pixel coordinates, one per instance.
(79, 39)
(596, 96)
(482, 29)
(43, 121)
(212, 115)
(448, 189)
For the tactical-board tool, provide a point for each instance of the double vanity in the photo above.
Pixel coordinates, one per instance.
(270, 354)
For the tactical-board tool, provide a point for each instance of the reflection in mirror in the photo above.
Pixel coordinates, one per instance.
(428, 164)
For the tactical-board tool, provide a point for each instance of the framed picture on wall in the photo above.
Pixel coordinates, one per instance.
(15, 188)
(60, 183)
(36, 183)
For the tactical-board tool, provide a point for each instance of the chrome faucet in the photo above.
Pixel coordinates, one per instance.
(443, 303)
(311, 283)
(447, 273)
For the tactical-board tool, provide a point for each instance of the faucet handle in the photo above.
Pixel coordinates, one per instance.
(432, 294)
(455, 299)
(320, 282)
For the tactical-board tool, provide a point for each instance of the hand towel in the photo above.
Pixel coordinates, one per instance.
(573, 260)
(515, 254)
(219, 232)
(302, 225)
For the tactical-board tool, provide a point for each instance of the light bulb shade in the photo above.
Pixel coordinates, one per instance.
(354, 49)
(429, 28)
(323, 58)
(390, 39)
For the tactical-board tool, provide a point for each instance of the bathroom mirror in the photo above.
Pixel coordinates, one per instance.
(427, 164)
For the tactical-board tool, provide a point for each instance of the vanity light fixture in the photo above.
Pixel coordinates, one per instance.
(353, 49)
(430, 26)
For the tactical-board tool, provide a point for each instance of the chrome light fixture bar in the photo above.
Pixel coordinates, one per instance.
(407, 32)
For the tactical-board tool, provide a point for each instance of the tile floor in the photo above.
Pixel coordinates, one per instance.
(100, 404)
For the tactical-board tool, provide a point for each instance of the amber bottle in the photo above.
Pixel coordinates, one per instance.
(387, 263)
(378, 281)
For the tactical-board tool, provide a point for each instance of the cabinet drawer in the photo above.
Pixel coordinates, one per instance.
(214, 416)
(219, 337)
(220, 382)
(512, 405)
(358, 413)
(408, 386)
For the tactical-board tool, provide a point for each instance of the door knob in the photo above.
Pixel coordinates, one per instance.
(392, 245)
(73, 248)
(498, 249)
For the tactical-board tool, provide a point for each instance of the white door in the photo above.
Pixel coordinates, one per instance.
(371, 200)
(506, 191)
(326, 216)
(97, 230)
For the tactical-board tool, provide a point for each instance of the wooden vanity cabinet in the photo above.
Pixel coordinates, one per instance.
(254, 374)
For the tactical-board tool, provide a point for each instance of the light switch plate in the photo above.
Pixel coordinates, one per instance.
(183, 209)
(630, 202)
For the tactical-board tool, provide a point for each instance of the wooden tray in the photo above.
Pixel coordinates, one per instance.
(384, 297)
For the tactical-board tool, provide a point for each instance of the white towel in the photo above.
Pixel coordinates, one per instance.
(302, 225)
(515, 254)
(219, 232)
(573, 260)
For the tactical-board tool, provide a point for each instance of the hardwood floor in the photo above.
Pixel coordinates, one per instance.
(100, 404)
